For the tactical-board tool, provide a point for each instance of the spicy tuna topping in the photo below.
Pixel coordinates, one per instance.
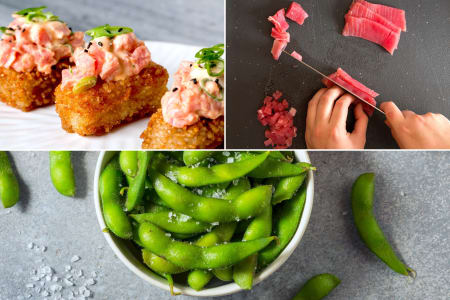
(114, 53)
(197, 90)
(36, 39)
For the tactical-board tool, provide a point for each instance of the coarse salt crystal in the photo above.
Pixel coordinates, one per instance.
(90, 281)
(67, 268)
(29, 285)
(30, 245)
(75, 258)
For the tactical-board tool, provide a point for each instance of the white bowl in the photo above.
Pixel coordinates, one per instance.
(132, 261)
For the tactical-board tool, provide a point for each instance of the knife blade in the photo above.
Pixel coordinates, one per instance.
(339, 85)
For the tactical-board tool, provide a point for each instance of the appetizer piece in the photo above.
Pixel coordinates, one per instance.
(34, 48)
(192, 111)
(114, 81)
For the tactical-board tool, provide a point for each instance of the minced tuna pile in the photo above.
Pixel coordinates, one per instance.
(280, 118)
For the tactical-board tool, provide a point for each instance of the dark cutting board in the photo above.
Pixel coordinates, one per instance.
(417, 77)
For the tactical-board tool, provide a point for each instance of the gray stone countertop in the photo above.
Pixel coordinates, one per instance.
(194, 22)
(412, 207)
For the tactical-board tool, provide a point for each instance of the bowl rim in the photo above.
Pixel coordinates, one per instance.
(221, 290)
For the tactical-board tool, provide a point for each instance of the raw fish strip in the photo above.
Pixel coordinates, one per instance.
(296, 13)
(279, 21)
(354, 86)
(280, 35)
(395, 15)
(361, 11)
(297, 56)
(372, 31)
(277, 48)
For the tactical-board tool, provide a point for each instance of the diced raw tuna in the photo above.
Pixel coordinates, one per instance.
(354, 86)
(361, 11)
(296, 55)
(395, 15)
(280, 120)
(371, 31)
(280, 35)
(277, 48)
(279, 21)
(296, 13)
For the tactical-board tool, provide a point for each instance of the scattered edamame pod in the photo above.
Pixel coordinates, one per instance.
(286, 220)
(137, 185)
(318, 287)
(260, 226)
(110, 184)
(191, 256)
(193, 157)
(128, 162)
(61, 172)
(9, 187)
(248, 204)
(370, 232)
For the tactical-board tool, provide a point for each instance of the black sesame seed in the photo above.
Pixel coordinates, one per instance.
(23, 30)
(194, 80)
(70, 28)
(217, 80)
(10, 28)
(54, 67)
(100, 44)
(120, 29)
(89, 45)
(85, 50)
(190, 65)
(175, 89)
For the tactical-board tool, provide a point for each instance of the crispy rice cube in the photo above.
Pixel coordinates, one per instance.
(109, 104)
(29, 90)
(205, 134)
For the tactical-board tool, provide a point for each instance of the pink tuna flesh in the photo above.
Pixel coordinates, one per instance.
(296, 13)
(361, 11)
(395, 15)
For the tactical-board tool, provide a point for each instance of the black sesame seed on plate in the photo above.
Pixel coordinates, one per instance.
(100, 44)
(70, 28)
(85, 50)
(89, 45)
(175, 89)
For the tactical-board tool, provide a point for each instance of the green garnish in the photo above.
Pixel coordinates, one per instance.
(6, 30)
(212, 59)
(108, 31)
(203, 87)
(36, 14)
(84, 84)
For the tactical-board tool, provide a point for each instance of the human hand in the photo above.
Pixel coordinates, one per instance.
(326, 121)
(412, 131)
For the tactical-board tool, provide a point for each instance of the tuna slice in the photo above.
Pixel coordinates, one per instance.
(280, 35)
(361, 11)
(277, 48)
(395, 15)
(354, 86)
(296, 13)
(372, 31)
(279, 21)
(296, 55)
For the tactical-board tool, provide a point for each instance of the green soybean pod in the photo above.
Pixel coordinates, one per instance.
(368, 228)
(110, 185)
(260, 226)
(137, 185)
(61, 172)
(129, 162)
(224, 274)
(274, 168)
(287, 187)
(318, 287)
(193, 157)
(9, 187)
(286, 220)
(200, 176)
(190, 256)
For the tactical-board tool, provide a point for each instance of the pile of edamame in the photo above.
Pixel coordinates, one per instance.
(205, 213)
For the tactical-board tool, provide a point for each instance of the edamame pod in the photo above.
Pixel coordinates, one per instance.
(211, 210)
(274, 168)
(260, 226)
(287, 187)
(61, 172)
(191, 256)
(137, 185)
(370, 232)
(318, 287)
(193, 157)
(9, 187)
(286, 220)
(172, 221)
(224, 274)
(129, 162)
(110, 184)
(200, 176)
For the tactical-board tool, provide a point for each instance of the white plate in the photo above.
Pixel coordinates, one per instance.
(41, 129)
(128, 257)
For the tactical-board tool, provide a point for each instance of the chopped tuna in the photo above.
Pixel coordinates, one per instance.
(279, 21)
(354, 86)
(297, 56)
(277, 48)
(361, 11)
(372, 31)
(280, 119)
(296, 13)
(280, 35)
(395, 15)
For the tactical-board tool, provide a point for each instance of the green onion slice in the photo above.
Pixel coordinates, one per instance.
(6, 30)
(203, 87)
(108, 31)
(36, 14)
(212, 59)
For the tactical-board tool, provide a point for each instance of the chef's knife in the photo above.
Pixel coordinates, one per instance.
(339, 85)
